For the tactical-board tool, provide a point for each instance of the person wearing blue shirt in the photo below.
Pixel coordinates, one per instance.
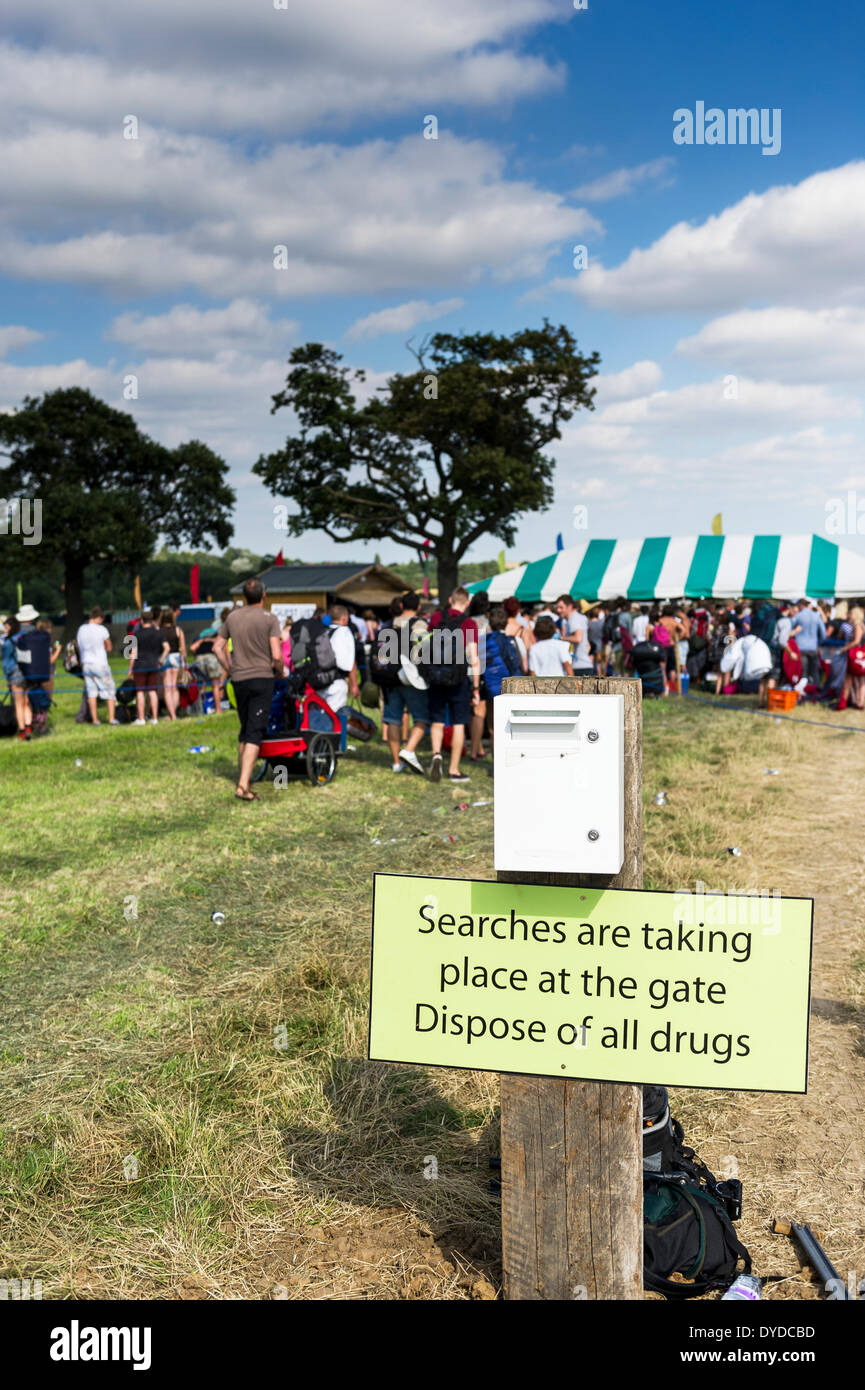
(808, 632)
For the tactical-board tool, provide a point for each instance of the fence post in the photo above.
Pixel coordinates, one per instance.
(572, 1175)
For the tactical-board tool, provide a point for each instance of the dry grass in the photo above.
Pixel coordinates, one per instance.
(228, 1059)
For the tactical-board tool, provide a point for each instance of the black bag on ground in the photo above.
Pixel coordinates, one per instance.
(8, 722)
(688, 1213)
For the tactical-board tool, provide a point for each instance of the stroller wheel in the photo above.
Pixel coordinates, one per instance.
(259, 769)
(320, 760)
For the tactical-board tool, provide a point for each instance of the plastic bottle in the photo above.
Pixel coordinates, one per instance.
(746, 1287)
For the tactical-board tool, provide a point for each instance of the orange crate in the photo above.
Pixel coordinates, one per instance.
(782, 699)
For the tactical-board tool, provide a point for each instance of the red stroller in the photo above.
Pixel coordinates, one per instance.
(302, 736)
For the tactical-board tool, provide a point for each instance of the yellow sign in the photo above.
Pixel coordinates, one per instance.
(676, 989)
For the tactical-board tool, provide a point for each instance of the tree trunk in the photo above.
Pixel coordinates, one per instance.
(74, 594)
(447, 576)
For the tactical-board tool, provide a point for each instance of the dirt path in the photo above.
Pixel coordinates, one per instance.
(804, 1157)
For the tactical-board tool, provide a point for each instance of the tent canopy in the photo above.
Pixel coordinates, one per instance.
(687, 567)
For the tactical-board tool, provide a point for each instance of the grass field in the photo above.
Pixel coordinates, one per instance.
(186, 1109)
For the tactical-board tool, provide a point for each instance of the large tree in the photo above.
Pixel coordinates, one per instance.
(443, 455)
(107, 491)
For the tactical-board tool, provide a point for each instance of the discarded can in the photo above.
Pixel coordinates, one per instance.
(201, 748)
(734, 849)
(218, 918)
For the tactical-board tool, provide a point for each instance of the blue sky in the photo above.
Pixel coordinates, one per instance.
(725, 288)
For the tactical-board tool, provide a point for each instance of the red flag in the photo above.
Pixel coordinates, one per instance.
(193, 583)
(279, 560)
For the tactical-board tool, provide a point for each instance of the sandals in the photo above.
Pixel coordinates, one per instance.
(247, 796)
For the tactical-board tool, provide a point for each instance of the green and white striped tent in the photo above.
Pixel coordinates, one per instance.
(668, 567)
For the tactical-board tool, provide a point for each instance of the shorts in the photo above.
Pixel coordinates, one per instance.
(16, 681)
(405, 697)
(450, 702)
(98, 681)
(209, 664)
(146, 680)
(171, 662)
(253, 707)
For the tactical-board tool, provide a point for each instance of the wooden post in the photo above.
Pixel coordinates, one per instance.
(572, 1164)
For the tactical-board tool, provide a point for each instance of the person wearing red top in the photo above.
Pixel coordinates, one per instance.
(454, 683)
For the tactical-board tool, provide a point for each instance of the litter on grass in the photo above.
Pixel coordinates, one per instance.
(218, 918)
(734, 849)
(660, 798)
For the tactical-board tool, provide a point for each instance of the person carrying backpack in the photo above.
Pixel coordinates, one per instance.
(501, 659)
(402, 685)
(450, 664)
(341, 638)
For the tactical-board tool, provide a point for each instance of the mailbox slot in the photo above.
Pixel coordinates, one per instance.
(559, 776)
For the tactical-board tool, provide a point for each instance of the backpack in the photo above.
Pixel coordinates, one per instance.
(688, 1213)
(72, 659)
(764, 622)
(433, 651)
(610, 631)
(502, 661)
(34, 654)
(384, 656)
(312, 658)
(8, 722)
(856, 661)
(646, 656)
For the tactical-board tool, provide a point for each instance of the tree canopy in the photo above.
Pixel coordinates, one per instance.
(107, 491)
(443, 455)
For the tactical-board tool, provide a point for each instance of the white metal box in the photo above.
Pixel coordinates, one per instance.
(559, 783)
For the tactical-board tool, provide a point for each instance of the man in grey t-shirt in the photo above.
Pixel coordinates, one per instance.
(256, 660)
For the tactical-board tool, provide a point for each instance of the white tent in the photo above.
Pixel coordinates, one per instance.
(687, 567)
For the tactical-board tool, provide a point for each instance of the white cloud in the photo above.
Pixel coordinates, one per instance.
(619, 182)
(184, 329)
(212, 65)
(788, 343)
(634, 380)
(797, 244)
(192, 212)
(401, 318)
(775, 440)
(15, 336)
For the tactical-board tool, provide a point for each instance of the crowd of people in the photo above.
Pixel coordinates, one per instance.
(435, 670)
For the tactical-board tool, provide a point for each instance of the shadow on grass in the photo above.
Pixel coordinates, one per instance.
(396, 1141)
